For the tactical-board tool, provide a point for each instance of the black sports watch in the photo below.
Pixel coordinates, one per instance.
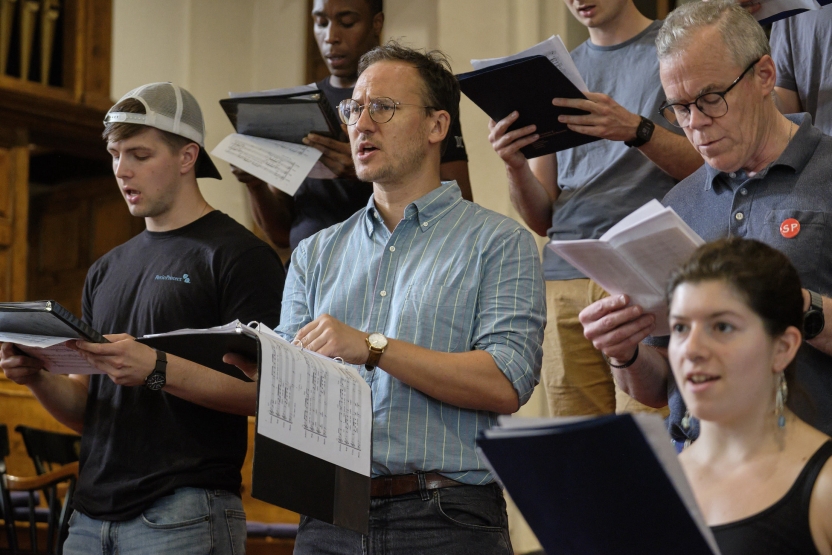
(643, 133)
(813, 320)
(157, 379)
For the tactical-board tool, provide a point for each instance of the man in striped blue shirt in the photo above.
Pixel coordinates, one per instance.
(437, 300)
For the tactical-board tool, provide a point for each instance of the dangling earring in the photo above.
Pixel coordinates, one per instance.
(686, 420)
(780, 401)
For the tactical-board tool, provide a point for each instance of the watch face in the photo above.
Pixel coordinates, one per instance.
(155, 381)
(377, 341)
(813, 323)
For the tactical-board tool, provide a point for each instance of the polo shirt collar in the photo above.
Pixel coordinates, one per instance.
(426, 210)
(797, 154)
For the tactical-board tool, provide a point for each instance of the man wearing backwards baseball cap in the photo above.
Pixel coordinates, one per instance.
(162, 439)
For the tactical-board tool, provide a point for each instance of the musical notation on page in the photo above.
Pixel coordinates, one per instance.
(314, 404)
(284, 165)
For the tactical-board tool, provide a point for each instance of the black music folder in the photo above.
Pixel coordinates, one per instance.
(608, 484)
(45, 318)
(283, 117)
(527, 85)
(207, 347)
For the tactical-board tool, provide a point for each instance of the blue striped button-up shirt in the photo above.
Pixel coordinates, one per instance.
(451, 277)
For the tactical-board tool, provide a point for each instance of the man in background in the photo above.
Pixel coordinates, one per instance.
(801, 46)
(581, 192)
(344, 31)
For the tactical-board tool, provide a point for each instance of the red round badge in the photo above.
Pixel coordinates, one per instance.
(789, 228)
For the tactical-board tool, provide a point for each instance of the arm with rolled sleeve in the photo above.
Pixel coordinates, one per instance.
(511, 311)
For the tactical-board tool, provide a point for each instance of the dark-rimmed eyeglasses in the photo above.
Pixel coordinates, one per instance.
(712, 104)
(381, 109)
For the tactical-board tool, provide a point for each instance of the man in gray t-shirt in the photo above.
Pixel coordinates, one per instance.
(802, 49)
(582, 192)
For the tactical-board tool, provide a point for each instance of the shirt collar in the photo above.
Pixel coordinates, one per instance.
(797, 154)
(426, 210)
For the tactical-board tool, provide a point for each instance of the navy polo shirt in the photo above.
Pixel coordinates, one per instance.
(796, 186)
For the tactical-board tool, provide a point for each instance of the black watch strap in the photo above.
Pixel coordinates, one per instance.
(156, 380)
(643, 133)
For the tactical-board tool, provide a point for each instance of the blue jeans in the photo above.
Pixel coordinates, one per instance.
(190, 521)
(459, 520)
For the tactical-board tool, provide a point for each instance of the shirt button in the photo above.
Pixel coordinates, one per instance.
(743, 192)
(739, 216)
(733, 175)
(425, 224)
(383, 293)
(392, 249)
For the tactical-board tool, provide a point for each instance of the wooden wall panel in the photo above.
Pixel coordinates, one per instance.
(72, 226)
(14, 210)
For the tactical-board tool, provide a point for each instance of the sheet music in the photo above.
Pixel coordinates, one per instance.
(554, 49)
(40, 341)
(310, 89)
(769, 8)
(60, 359)
(284, 165)
(314, 404)
(635, 257)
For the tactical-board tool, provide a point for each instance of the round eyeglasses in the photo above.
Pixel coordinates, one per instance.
(712, 104)
(381, 109)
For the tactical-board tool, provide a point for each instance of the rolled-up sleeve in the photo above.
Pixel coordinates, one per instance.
(511, 310)
(295, 311)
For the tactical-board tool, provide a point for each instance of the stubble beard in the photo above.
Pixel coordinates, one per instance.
(407, 162)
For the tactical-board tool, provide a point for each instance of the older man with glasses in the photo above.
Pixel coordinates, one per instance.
(766, 176)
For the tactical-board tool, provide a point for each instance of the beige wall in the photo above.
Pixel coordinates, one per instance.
(212, 47)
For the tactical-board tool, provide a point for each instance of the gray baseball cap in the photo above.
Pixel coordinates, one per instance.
(173, 109)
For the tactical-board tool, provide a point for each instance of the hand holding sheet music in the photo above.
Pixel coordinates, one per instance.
(41, 329)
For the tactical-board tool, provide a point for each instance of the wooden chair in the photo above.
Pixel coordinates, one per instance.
(49, 526)
(48, 449)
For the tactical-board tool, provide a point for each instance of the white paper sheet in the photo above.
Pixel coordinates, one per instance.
(769, 8)
(554, 49)
(60, 359)
(635, 257)
(40, 341)
(310, 89)
(314, 404)
(284, 165)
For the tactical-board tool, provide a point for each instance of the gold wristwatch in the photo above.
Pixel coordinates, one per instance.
(376, 343)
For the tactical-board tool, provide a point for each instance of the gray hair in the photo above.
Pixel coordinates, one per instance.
(745, 39)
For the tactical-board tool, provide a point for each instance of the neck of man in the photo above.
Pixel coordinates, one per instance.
(629, 23)
(342, 82)
(774, 136)
(187, 207)
(393, 196)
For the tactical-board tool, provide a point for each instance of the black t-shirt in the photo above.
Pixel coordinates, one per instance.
(139, 445)
(320, 203)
